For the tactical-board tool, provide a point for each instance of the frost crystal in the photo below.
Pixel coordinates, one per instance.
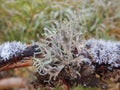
(10, 49)
(104, 52)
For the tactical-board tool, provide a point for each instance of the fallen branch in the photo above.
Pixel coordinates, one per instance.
(26, 63)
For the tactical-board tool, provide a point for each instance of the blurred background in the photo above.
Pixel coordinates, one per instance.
(27, 20)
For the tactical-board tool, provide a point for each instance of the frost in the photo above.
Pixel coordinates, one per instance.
(10, 49)
(104, 52)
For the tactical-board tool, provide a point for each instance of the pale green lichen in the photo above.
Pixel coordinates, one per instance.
(57, 49)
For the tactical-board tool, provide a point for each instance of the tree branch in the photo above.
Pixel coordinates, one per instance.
(26, 63)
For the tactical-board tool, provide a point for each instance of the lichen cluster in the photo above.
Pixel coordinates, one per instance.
(58, 50)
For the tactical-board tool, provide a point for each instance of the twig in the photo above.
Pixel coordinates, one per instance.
(17, 65)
